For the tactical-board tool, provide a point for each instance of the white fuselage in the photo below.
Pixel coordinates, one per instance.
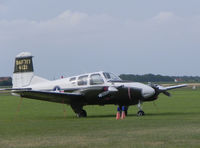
(85, 81)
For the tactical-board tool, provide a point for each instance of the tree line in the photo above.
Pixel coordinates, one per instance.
(159, 78)
(5, 81)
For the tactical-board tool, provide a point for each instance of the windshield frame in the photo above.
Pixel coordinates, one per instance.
(111, 77)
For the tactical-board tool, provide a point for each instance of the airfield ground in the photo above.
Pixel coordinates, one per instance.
(173, 123)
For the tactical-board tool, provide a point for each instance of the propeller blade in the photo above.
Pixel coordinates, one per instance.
(166, 93)
(160, 89)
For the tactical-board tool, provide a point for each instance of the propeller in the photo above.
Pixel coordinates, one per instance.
(160, 89)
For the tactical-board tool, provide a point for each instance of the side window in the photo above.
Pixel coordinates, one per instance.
(106, 75)
(96, 79)
(82, 80)
(72, 79)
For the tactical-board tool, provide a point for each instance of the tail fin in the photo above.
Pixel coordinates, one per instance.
(23, 74)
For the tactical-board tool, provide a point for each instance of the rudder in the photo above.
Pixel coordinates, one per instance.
(23, 70)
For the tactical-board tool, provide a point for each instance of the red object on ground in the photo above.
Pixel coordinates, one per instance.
(123, 115)
(118, 115)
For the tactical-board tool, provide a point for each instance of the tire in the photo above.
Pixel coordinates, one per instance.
(83, 113)
(140, 113)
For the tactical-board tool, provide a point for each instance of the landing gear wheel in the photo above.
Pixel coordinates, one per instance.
(140, 113)
(83, 113)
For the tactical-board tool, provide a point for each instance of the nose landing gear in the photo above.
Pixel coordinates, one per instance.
(140, 112)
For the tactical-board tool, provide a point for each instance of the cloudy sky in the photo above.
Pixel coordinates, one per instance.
(132, 36)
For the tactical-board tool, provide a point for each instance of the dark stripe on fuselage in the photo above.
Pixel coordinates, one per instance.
(122, 97)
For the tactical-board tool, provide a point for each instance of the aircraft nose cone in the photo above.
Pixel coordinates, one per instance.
(148, 92)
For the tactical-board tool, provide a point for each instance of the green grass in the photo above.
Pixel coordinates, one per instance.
(173, 122)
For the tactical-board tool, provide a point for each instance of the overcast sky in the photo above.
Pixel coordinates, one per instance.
(68, 37)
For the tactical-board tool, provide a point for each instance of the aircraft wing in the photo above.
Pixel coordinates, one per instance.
(58, 97)
(164, 90)
(172, 87)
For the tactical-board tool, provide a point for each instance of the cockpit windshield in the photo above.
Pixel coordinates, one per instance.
(111, 76)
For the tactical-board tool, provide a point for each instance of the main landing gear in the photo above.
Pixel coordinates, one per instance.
(78, 109)
(140, 112)
(82, 113)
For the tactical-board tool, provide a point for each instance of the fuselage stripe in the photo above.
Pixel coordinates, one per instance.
(129, 93)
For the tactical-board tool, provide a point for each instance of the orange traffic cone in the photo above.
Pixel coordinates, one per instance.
(118, 114)
(123, 113)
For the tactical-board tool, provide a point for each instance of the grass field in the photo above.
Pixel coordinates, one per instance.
(173, 123)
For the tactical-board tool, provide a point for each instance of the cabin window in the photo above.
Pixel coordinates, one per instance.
(72, 79)
(82, 80)
(106, 75)
(96, 79)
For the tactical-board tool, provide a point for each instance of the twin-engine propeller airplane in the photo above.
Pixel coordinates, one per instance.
(97, 88)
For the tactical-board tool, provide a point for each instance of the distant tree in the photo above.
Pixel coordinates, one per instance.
(158, 78)
(5, 81)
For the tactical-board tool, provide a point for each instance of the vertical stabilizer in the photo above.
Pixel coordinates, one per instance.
(23, 71)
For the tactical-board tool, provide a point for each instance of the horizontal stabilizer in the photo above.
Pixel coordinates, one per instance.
(11, 90)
